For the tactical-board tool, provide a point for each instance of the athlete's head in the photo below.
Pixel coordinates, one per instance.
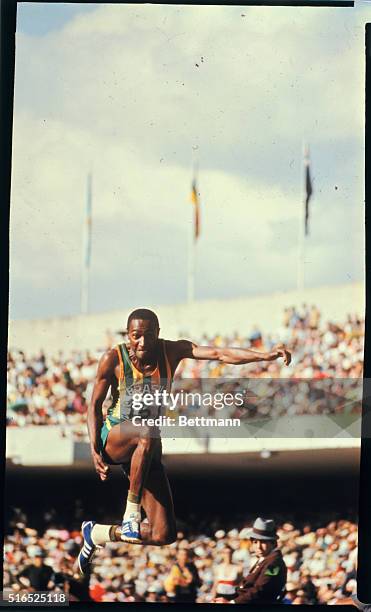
(143, 329)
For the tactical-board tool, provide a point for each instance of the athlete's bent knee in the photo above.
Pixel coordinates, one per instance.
(145, 439)
(163, 537)
(145, 433)
(163, 540)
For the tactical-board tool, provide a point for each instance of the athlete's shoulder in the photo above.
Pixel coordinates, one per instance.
(168, 343)
(174, 345)
(108, 360)
(179, 349)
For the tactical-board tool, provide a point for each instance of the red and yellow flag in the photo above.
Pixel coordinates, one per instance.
(196, 203)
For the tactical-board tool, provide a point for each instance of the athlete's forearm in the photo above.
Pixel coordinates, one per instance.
(95, 422)
(239, 356)
(236, 356)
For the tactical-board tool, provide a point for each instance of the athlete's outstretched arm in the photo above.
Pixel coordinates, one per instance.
(103, 380)
(236, 356)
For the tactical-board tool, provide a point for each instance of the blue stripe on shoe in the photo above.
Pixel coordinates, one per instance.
(88, 549)
(130, 529)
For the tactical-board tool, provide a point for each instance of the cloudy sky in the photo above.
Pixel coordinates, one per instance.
(128, 92)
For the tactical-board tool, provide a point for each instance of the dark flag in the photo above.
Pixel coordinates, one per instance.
(196, 203)
(308, 191)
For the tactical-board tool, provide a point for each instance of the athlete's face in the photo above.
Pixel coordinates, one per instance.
(262, 548)
(143, 337)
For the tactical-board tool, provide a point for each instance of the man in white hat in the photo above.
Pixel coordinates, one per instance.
(267, 577)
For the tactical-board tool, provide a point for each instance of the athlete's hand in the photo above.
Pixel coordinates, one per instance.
(281, 351)
(101, 467)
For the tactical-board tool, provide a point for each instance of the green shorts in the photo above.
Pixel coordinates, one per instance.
(105, 430)
(156, 459)
(104, 435)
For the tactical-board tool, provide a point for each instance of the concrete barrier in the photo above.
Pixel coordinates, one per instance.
(54, 446)
(39, 446)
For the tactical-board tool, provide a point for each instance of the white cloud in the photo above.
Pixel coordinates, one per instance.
(118, 90)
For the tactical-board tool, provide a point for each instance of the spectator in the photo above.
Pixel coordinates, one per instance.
(227, 576)
(267, 577)
(183, 581)
(37, 576)
(309, 589)
(129, 592)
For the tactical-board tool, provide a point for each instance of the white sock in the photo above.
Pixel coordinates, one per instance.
(100, 534)
(132, 508)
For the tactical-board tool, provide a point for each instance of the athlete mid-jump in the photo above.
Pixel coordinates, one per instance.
(144, 360)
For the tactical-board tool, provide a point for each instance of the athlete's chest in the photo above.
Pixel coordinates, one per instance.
(146, 372)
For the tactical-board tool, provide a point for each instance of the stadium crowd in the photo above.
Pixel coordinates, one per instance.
(321, 558)
(54, 389)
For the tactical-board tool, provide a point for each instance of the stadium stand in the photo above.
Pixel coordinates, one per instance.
(321, 558)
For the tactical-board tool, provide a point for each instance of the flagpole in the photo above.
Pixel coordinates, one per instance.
(85, 276)
(300, 282)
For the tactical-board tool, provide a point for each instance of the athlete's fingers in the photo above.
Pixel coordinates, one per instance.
(103, 472)
(103, 469)
(100, 466)
(285, 354)
(98, 459)
(101, 463)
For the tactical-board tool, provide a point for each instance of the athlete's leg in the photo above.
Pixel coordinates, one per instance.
(127, 442)
(160, 526)
(137, 444)
(124, 438)
(157, 502)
